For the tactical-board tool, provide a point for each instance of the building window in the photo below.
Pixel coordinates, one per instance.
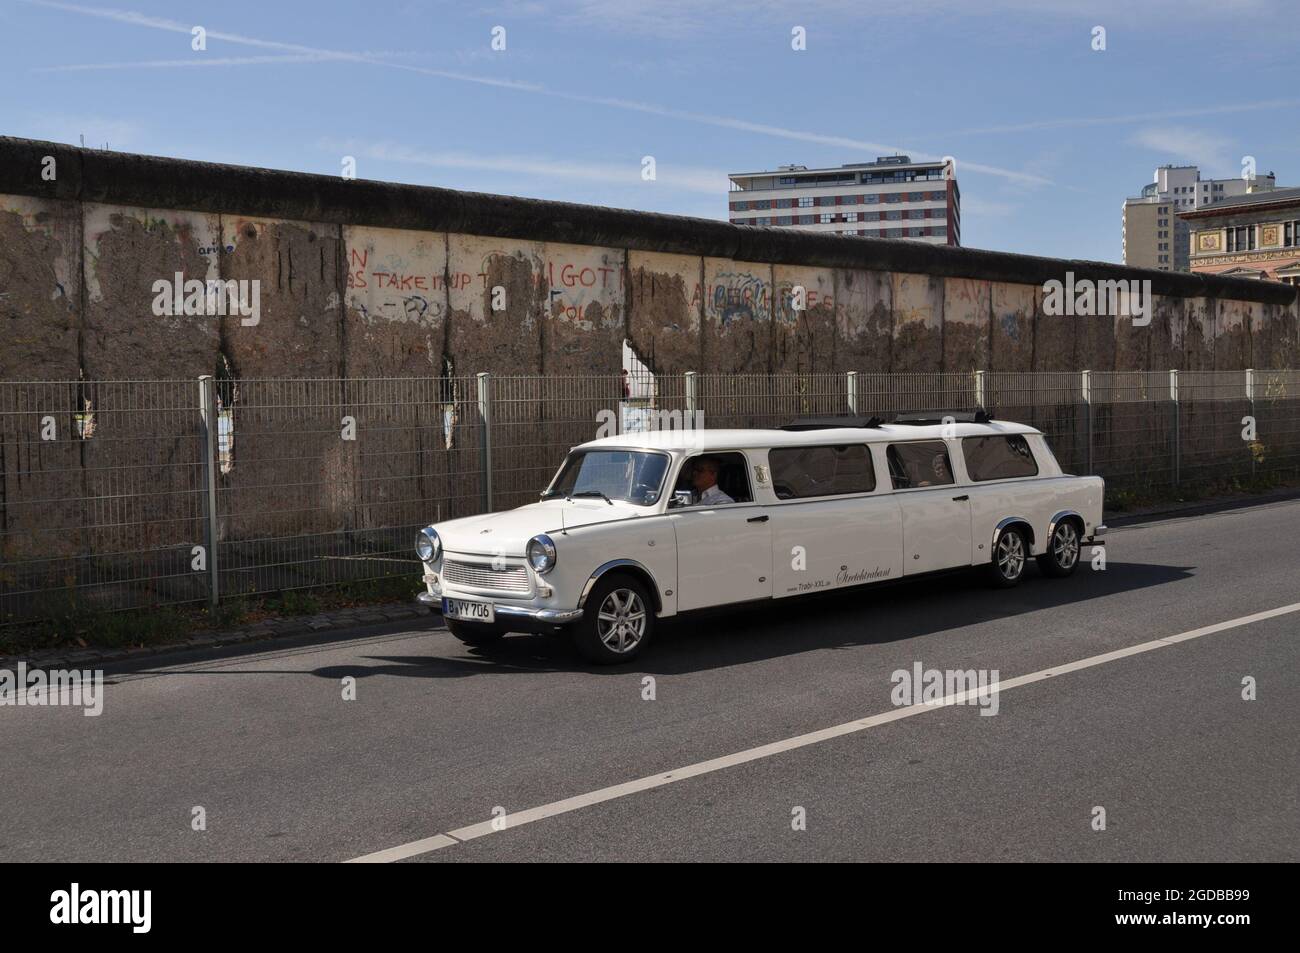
(739, 206)
(762, 220)
(851, 217)
(1241, 238)
(825, 218)
(805, 201)
(894, 197)
(938, 213)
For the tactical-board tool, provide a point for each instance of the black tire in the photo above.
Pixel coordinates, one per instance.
(1010, 556)
(617, 602)
(1063, 549)
(475, 633)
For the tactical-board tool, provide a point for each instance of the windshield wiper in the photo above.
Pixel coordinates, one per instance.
(590, 493)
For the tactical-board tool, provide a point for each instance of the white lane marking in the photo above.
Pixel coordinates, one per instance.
(555, 808)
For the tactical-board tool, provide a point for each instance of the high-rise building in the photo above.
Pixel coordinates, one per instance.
(1152, 235)
(892, 197)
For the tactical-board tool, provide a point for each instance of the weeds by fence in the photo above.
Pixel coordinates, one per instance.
(123, 494)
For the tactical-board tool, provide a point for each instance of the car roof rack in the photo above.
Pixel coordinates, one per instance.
(831, 423)
(945, 416)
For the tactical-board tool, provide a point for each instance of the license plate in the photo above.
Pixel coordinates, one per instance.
(468, 611)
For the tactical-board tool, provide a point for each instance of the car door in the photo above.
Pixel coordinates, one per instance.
(1004, 483)
(724, 551)
(935, 509)
(830, 526)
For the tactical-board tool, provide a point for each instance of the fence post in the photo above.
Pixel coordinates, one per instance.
(1178, 451)
(1085, 393)
(981, 395)
(692, 399)
(851, 391)
(1250, 399)
(210, 427)
(485, 436)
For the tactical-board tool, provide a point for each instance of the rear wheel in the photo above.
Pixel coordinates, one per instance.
(617, 621)
(1010, 552)
(475, 633)
(1062, 556)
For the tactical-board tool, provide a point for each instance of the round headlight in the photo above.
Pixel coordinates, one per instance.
(427, 544)
(541, 554)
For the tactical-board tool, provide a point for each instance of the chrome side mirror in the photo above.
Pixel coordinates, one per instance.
(680, 498)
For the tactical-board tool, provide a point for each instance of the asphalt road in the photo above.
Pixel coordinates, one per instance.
(439, 735)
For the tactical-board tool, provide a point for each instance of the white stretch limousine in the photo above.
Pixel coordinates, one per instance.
(640, 527)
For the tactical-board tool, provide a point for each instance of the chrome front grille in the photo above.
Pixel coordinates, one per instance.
(483, 576)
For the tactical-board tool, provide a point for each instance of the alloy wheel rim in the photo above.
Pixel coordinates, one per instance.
(1065, 546)
(1011, 555)
(621, 621)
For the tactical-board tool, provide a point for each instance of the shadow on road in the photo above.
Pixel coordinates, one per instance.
(887, 613)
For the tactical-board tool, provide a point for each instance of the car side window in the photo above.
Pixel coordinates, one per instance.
(919, 463)
(717, 478)
(821, 471)
(998, 458)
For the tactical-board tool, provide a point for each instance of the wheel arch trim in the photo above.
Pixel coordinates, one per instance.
(1060, 517)
(1009, 521)
(615, 564)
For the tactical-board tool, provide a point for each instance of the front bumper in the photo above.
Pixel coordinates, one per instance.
(522, 616)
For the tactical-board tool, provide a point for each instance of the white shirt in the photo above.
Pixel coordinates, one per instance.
(714, 496)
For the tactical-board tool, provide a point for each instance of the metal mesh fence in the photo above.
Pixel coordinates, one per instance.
(103, 484)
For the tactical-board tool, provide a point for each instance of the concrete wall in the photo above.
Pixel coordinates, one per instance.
(363, 279)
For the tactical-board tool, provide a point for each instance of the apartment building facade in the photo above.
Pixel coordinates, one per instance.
(892, 197)
(1248, 236)
(1152, 234)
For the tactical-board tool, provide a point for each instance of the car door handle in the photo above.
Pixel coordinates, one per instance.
(961, 499)
(757, 519)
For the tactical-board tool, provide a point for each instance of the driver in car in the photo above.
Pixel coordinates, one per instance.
(704, 477)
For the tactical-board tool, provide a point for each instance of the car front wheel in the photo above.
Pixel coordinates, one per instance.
(617, 622)
(1010, 552)
(1062, 556)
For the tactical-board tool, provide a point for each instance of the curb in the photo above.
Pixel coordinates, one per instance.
(1196, 507)
(268, 629)
(256, 632)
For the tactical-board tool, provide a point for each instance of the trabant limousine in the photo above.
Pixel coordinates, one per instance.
(637, 528)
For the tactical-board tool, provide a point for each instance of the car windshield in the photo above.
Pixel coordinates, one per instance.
(630, 476)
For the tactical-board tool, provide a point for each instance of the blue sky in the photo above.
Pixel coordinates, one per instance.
(1049, 135)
